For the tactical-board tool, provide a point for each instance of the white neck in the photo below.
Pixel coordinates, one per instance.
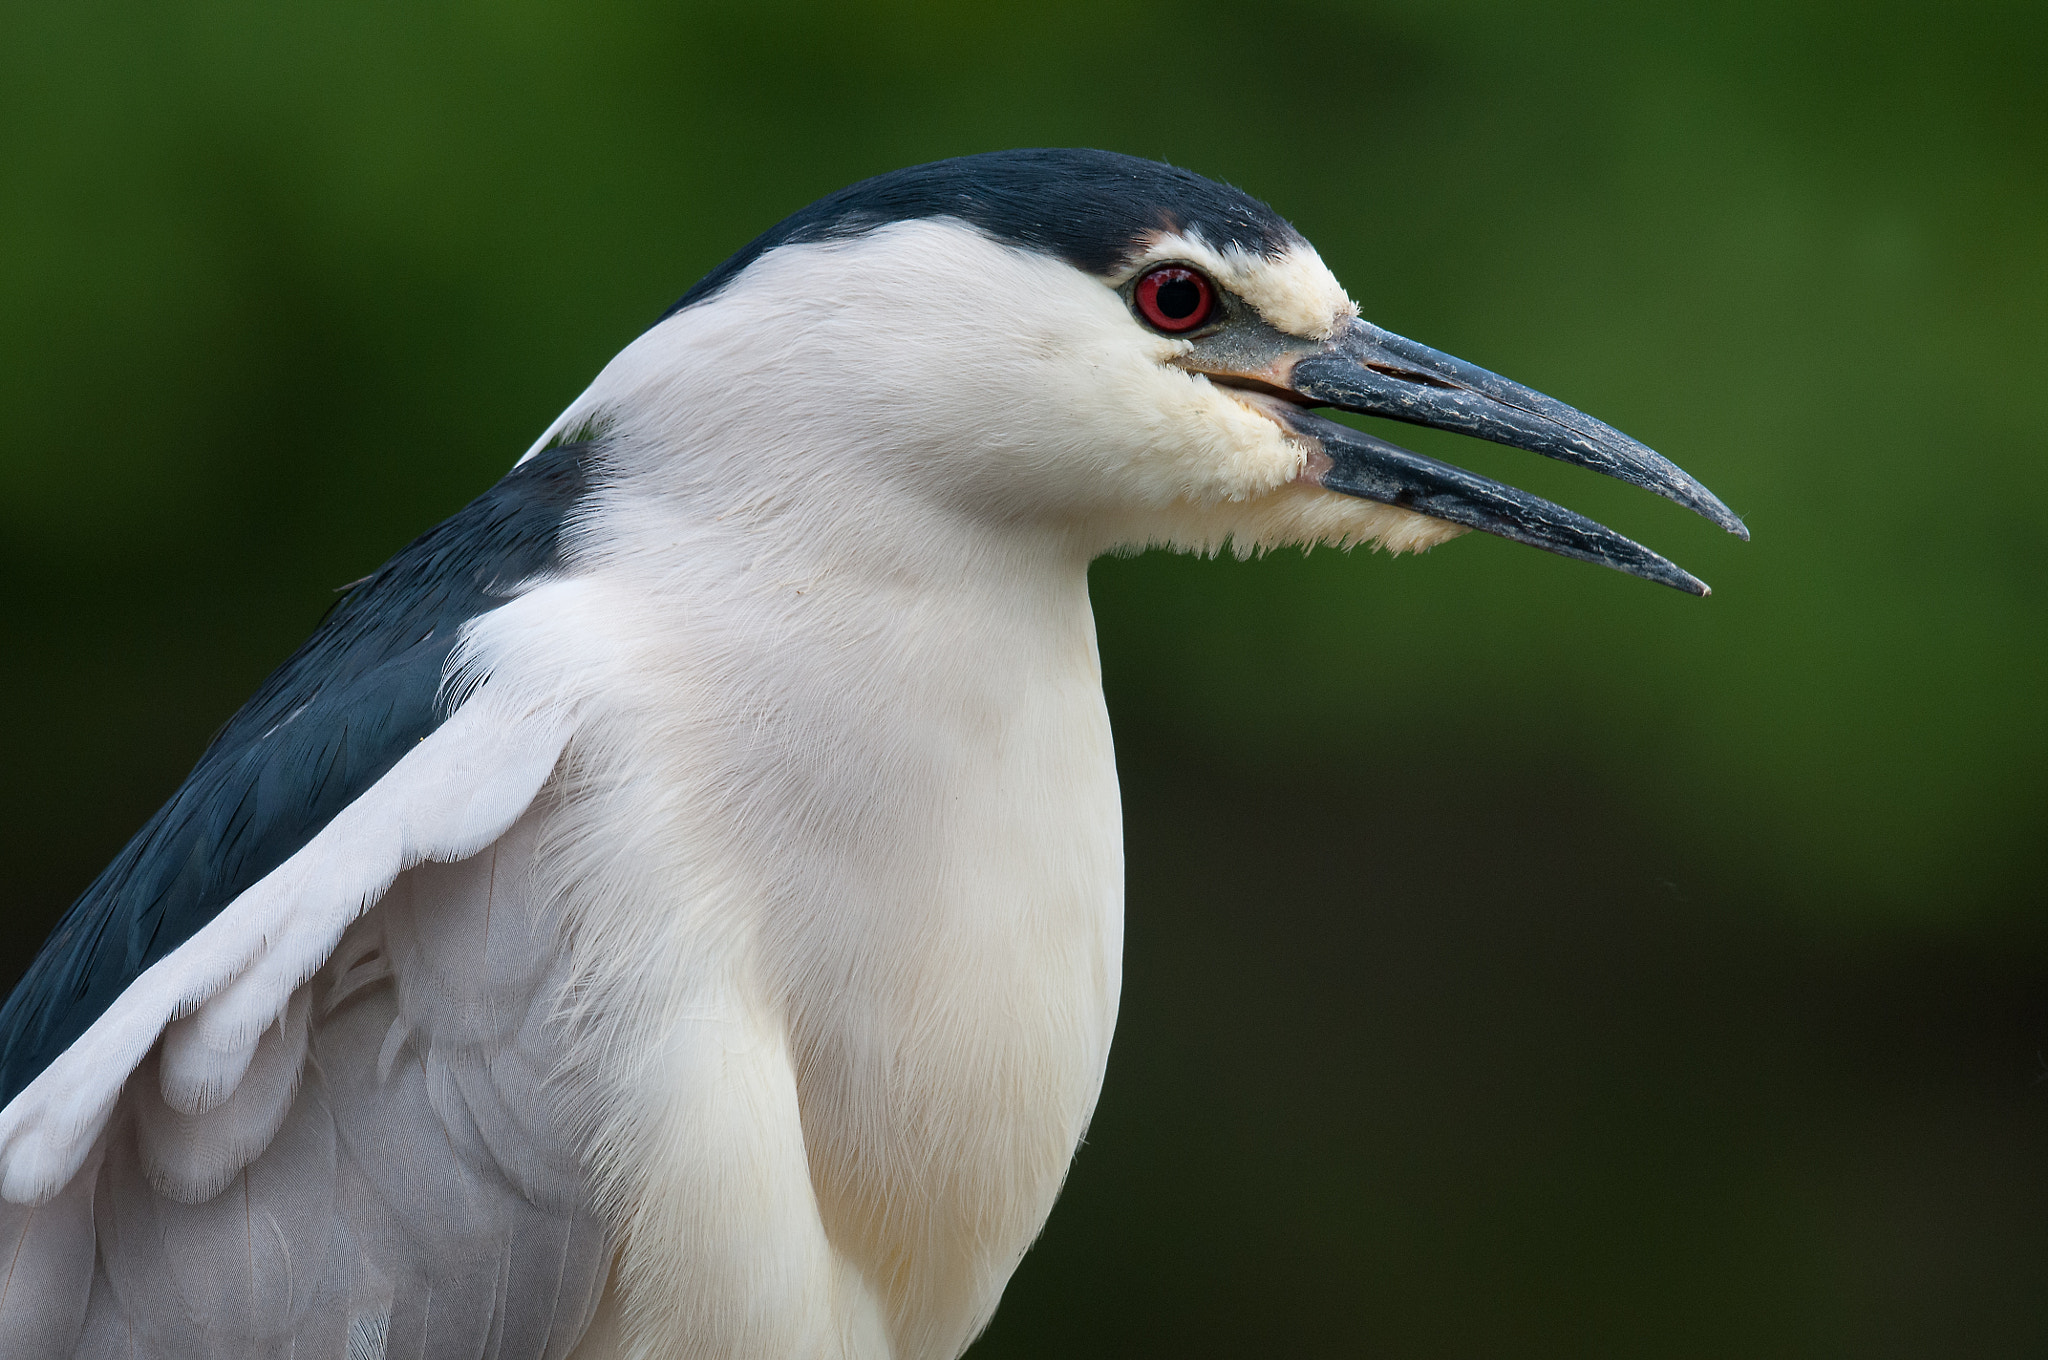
(846, 882)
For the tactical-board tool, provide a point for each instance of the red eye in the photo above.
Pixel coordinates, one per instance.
(1175, 299)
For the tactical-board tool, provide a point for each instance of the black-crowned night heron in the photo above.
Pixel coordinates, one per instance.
(674, 907)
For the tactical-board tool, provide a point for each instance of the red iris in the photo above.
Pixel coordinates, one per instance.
(1173, 298)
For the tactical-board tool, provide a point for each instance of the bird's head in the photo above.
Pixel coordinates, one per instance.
(1119, 348)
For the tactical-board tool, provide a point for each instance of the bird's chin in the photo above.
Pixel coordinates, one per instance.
(1300, 514)
(1276, 498)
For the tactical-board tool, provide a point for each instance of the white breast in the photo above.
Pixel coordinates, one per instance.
(840, 838)
(848, 904)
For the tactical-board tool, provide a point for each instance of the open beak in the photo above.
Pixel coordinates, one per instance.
(1374, 372)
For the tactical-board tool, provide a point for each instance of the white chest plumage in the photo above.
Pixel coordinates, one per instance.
(846, 890)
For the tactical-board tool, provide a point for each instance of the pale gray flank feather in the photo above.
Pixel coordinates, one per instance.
(435, 1210)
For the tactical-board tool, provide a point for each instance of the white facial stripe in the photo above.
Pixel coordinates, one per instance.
(1296, 293)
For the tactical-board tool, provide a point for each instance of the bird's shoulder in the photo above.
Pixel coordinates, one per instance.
(362, 691)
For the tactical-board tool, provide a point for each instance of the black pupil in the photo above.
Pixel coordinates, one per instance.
(1178, 297)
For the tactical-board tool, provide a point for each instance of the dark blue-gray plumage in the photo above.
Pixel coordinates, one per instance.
(1089, 208)
(328, 723)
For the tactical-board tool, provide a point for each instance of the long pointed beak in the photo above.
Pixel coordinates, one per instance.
(1369, 371)
(1377, 373)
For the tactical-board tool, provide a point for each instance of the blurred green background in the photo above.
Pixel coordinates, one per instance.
(1523, 960)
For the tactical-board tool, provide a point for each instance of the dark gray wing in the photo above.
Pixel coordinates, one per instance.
(361, 692)
(382, 1167)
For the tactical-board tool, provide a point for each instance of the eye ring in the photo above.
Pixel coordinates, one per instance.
(1174, 298)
